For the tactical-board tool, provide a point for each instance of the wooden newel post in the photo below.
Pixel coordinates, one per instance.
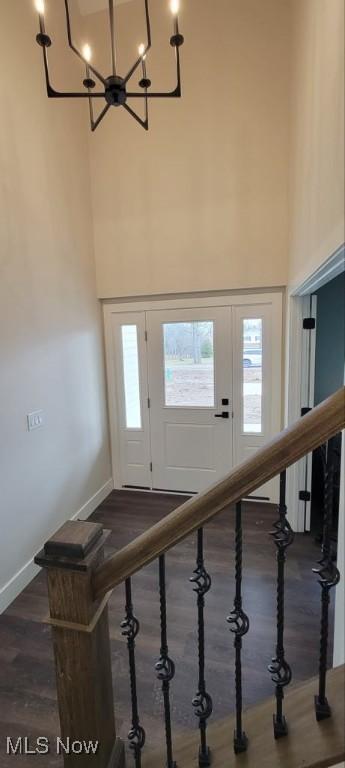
(81, 647)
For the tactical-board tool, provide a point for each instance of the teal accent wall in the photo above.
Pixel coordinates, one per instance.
(330, 338)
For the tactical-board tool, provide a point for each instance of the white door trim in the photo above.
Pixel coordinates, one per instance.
(339, 634)
(331, 268)
(225, 300)
(112, 396)
(309, 309)
(296, 366)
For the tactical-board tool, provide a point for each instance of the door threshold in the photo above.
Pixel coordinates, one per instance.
(145, 489)
(177, 493)
(170, 492)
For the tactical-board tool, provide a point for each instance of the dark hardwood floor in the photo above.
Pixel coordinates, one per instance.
(28, 704)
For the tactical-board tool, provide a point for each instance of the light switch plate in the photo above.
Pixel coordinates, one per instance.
(35, 420)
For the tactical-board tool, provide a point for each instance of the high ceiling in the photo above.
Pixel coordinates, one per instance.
(92, 6)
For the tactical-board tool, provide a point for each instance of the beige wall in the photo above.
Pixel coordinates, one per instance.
(317, 135)
(50, 328)
(201, 201)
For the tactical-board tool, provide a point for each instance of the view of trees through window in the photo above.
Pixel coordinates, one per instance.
(189, 364)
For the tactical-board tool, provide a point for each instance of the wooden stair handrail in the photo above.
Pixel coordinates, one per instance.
(306, 434)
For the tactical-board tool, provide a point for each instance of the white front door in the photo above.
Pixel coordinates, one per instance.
(193, 391)
(190, 389)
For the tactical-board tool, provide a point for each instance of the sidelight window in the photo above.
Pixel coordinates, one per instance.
(130, 356)
(252, 375)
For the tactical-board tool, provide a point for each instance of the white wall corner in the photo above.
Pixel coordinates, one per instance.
(339, 628)
(22, 578)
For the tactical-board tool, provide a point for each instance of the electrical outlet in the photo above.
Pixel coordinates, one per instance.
(35, 420)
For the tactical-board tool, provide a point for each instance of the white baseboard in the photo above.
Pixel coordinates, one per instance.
(22, 578)
(87, 509)
(17, 583)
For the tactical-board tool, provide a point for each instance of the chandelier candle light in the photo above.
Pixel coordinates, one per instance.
(113, 87)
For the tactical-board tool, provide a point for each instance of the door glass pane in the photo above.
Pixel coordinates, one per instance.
(189, 364)
(252, 375)
(131, 376)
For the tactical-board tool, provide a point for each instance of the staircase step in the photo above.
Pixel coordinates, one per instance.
(309, 744)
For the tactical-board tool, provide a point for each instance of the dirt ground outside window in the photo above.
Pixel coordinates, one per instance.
(188, 384)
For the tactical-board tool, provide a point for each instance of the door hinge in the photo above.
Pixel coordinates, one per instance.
(149, 402)
(304, 411)
(146, 335)
(151, 466)
(304, 495)
(309, 323)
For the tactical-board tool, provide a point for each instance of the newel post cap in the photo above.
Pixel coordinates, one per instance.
(73, 546)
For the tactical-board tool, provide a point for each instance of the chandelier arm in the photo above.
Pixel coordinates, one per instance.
(53, 94)
(178, 70)
(74, 47)
(148, 46)
(91, 110)
(95, 123)
(112, 36)
(143, 123)
(175, 94)
(146, 110)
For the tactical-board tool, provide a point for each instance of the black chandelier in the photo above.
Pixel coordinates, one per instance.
(114, 88)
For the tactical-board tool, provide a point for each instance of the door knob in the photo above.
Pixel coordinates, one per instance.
(222, 415)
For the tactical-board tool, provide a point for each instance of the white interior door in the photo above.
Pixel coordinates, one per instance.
(190, 389)
(129, 344)
(257, 382)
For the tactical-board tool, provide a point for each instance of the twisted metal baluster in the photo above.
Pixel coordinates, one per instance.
(130, 628)
(165, 667)
(329, 577)
(280, 670)
(240, 626)
(202, 701)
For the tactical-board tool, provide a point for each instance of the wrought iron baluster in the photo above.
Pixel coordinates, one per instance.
(239, 626)
(165, 667)
(329, 577)
(280, 670)
(130, 629)
(202, 701)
